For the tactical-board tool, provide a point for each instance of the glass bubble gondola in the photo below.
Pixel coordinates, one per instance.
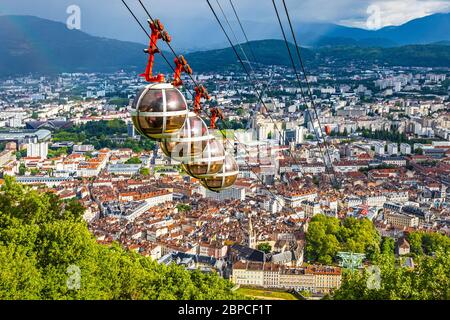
(224, 179)
(159, 110)
(209, 163)
(189, 142)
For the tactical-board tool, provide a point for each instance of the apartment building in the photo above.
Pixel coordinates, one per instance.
(294, 200)
(311, 208)
(375, 200)
(399, 220)
(316, 279)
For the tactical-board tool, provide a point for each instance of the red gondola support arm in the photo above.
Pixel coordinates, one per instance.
(216, 114)
(157, 33)
(200, 92)
(181, 65)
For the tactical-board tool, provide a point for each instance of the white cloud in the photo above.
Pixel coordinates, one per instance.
(396, 12)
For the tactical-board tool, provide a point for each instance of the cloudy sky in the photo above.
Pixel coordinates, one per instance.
(110, 19)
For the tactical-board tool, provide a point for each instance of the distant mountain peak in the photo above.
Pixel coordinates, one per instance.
(31, 44)
(34, 45)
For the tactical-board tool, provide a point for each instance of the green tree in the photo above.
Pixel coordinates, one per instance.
(100, 134)
(133, 160)
(428, 280)
(327, 235)
(428, 243)
(415, 242)
(22, 169)
(240, 112)
(316, 180)
(120, 102)
(20, 278)
(144, 171)
(418, 151)
(359, 235)
(182, 207)
(321, 241)
(21, 153)
(388, 246)
(58, 152)
(42, 236)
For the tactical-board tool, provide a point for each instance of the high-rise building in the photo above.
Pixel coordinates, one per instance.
(392, 149)
(37, 149)
(405, 148)
(295, 135)
(130, 129)
(16, 121)
(379, 149)
(235, 193)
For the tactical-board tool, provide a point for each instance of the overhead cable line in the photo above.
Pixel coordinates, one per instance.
(234, 35)
(243, 31)
(258, 94)
(304, 97)
(247, 41)
(297, 47)
(146, 32)
(193, 80)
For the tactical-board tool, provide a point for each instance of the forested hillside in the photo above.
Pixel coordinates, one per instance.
(44, 242)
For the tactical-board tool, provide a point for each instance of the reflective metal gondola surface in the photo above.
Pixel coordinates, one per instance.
(159, 110)
(189, 142)
(224, 179)
(209, 163)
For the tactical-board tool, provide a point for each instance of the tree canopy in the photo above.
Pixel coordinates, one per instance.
(101, 134)
(428, 280)
(44, 242)
(427, 242)
(327, 236)
(133, 160)
(182, 207)
(265, 247)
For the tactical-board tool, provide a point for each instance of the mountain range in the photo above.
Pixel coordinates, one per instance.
(424, 30)
(31, 44)
(34, 45)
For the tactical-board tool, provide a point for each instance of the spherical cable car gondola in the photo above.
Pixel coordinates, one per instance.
(224, 179)
(158, 111)
(209, 163)
(189, 142)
